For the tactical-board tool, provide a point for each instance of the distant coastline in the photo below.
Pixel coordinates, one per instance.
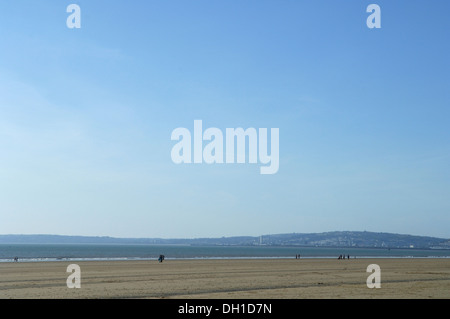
(355, 239)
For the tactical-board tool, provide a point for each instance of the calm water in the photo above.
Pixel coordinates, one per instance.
(52, 252)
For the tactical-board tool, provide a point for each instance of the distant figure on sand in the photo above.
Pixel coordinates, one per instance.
(161, 258)
(16, 259)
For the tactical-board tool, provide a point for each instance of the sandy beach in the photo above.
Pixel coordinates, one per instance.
(229, 279)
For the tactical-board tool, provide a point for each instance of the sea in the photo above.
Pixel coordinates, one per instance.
(99, 252)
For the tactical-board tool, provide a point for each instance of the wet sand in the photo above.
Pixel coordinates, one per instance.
(229, 279)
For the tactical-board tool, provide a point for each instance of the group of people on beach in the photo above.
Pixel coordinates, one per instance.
(162, 257)
(340, 256)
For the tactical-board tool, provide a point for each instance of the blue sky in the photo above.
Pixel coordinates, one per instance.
(86, 117)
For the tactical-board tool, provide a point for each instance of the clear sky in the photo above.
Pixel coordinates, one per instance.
(86, 116)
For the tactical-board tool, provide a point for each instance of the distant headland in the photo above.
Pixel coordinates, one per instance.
(325, 239)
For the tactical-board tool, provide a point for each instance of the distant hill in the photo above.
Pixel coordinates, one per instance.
(327, 239)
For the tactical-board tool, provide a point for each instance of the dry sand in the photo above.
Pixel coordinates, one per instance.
(229, 279)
